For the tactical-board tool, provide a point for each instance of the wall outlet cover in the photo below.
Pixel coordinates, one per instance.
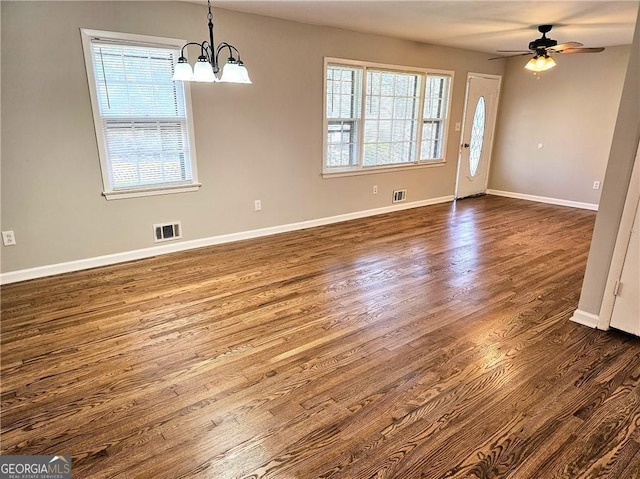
(8, 238)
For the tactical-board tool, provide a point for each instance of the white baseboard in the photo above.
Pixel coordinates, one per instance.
(584, 318)
(77, 265)
(545, 199)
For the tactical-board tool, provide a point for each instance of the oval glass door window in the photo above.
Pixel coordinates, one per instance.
(477, 137)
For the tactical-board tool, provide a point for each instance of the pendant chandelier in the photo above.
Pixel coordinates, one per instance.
(207, 66)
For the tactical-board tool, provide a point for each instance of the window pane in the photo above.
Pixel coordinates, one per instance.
(146, 153)
(341, 144)
(136, 81)
(391, 114)
(477, 136)
(432, 139)
(343, 91)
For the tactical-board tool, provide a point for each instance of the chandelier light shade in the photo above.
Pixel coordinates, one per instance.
(202, 71)
(183, 72)
(540, 63)
(234, 72)
(208, 66)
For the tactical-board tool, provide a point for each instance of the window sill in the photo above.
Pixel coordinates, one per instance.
(153, 191)
(380, 169)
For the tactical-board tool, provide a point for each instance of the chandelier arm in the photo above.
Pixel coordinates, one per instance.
(207, 51)
(231, 49)
(186, 45)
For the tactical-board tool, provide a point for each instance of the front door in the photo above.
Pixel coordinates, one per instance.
(477, 135)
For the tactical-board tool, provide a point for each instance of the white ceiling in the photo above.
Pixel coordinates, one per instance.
(484, 26)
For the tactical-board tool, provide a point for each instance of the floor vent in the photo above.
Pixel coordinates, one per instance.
(399, 195)
(167, 231)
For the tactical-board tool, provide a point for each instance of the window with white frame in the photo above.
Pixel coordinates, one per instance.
(343, 114)
(380, 116)
(142, 117)
(436, 103)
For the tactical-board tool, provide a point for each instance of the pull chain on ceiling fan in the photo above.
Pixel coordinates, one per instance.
(542, 49)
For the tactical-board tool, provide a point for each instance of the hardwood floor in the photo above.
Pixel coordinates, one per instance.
(428, 343)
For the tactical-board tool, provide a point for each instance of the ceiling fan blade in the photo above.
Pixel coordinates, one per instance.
(582, 50)
(513, 51)
(564, 46)
(511, 56)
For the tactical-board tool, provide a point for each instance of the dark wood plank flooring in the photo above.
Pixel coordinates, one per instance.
(428, 343)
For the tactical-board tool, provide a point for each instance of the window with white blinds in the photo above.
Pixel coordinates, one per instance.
(436, 104)
(142, 116)
(391, 117)
(383, 116)
(343, 115)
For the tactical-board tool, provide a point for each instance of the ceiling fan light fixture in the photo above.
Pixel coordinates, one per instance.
(540, 63)
(542, 47)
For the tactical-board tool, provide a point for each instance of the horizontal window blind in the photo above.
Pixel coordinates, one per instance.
(391, 117)
(143, 114)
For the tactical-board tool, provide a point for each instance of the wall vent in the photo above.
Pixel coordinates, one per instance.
(399, 195)
(167, 231)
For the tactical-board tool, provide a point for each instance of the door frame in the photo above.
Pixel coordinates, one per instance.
(490, 144)
(621, 245)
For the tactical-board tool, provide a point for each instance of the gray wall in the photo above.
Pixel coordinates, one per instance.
(616, 184)
(571, 110)
(262, 141)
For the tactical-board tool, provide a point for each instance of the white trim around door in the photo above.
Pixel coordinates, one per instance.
(478, 132)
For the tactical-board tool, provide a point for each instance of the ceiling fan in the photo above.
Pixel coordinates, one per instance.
(542, 49)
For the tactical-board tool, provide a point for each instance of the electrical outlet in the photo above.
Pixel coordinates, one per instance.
(375, 189)
(257, 205)
(8, 238)
(458, 126)
(596, 185)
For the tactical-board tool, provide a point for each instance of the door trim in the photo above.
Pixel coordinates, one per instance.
(488, 76)
(622, 242)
